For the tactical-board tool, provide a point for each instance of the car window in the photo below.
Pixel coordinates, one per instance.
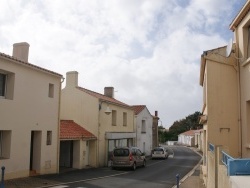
(158, 149)
(133, 151)
(138, 152)
(121, 152)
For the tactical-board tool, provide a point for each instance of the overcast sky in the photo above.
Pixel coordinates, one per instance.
(148, 50)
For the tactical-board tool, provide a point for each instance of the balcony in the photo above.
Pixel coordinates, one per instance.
(236, 167)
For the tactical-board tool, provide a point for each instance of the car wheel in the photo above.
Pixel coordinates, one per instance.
(134, 167)
(144, 163)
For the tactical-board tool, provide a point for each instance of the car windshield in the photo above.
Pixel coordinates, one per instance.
(158, 149)
(121, 152)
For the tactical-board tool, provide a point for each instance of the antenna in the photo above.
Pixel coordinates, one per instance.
(229, 49)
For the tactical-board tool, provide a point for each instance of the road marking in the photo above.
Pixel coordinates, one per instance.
(155, 163)
(78, 181)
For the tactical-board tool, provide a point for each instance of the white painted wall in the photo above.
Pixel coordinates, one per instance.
(144, 140)
(30, 109)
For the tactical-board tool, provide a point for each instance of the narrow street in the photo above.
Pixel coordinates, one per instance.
(158, 173)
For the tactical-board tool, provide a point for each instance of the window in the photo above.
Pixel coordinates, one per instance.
(5, 140)
(51, 90)
(124, 119)
(49, 137)
(114, 117)
(2, 84)
(248, 42)
(143, 126)
(6, 84)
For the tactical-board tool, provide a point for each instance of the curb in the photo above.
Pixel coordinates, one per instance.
(192, 171)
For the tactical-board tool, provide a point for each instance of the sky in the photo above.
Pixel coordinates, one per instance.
(148, 50)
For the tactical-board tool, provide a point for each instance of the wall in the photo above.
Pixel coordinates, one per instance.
(83, 109)
(241, 34)
(30, 110)
(106, 126)
(144, 137)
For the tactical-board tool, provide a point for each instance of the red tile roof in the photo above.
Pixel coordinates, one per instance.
(71, 130)
(103, 97)
(189, 133)
(138, 108)
(5, 56)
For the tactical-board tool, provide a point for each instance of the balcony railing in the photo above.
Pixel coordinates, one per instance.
(236, 166)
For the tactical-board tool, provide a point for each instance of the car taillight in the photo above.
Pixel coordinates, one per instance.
(130, 157)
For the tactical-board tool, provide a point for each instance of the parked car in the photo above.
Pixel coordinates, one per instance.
(127, 157)
(159, 152)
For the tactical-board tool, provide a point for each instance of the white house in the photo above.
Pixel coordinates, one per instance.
(187, 138)
(144, 123)
(29, 113)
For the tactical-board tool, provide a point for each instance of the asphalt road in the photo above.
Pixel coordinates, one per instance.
(158, 173)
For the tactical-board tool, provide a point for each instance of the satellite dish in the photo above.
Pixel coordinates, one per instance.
(229, 48)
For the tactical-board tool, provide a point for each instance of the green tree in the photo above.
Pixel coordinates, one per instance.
(191, 122)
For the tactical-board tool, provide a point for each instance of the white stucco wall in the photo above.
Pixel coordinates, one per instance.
(29, 110)
(144, 140)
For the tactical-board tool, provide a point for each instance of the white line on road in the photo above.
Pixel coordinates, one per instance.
(78, 181)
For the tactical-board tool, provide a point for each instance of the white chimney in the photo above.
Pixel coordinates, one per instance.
(109, 92)
(72, 79)
(21, 51)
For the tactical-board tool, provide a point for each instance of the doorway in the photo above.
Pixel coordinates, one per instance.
(35, 152)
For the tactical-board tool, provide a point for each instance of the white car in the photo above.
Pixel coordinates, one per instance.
(159, 152)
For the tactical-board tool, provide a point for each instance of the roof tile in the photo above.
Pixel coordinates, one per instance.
(71, 130)
(138, 108)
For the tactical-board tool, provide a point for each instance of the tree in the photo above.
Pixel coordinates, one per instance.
(191, 122)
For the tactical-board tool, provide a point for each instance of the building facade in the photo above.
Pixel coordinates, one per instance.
(110, 120)
(143, 124)
(187, 138)
(218, 76)
(225, 80)
(155, 138)
(29, 111)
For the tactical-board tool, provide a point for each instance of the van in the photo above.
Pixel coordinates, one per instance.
(127, 157)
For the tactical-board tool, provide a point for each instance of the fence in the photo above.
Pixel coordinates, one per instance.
(236, 166)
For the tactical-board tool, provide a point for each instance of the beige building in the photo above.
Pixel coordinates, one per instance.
(110, 120)
(29, 111)
(74, 145)
(225, 77)
(218, 76)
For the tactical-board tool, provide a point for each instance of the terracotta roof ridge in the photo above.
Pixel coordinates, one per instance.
(88, 90)
(28, 64)
(103, 97)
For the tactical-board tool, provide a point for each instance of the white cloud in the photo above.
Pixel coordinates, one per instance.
(148, 50)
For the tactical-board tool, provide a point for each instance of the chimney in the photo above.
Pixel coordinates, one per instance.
(21, 51)
(72, 79)
(156, 113)
(109, 92)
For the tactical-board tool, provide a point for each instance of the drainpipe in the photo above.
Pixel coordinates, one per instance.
(59, 119)
(239, 94)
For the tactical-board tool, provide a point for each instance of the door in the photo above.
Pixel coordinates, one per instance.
(35, 151)
(87, 154)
